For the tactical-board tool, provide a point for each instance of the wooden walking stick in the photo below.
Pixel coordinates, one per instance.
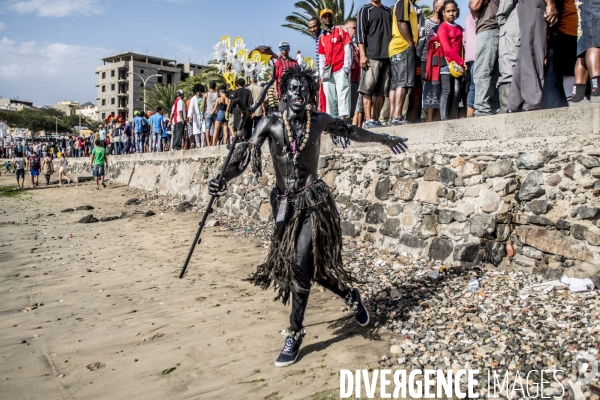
(246, 112)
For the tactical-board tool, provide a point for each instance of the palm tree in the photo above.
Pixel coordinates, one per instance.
(298, 21)
(162, 96)
(206, 75)
(427, 11)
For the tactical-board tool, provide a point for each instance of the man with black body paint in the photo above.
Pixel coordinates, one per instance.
(307, 221)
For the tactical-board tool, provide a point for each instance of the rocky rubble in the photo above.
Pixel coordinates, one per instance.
(440, 324)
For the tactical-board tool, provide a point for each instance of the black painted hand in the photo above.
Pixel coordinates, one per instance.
(213, 187)
(397, 144)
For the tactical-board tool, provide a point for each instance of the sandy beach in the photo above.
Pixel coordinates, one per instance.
(97, 310)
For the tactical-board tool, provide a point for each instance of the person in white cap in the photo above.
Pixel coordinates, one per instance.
(178, 119)
(282, 63)
(336, 54)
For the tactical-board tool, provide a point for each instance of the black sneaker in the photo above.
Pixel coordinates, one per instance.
(354, 303)
(291, 348)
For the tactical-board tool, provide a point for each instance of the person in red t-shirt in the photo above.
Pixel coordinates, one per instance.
(281, 64)
(335, 60)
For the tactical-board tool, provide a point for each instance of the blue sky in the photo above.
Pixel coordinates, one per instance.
(49, 49)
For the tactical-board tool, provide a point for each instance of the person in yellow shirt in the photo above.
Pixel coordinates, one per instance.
(403, 57)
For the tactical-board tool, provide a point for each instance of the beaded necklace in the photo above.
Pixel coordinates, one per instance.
(292, 140)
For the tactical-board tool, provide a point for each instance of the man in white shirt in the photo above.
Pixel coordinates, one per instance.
(299, 58)
(178, 117)
(195, 116)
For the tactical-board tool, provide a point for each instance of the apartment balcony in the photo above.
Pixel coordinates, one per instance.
(122, 94)
(123, 108)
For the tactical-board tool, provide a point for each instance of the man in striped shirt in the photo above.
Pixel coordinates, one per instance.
(281, 64)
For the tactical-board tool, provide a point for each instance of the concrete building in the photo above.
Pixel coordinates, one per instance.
(68, 107)
(14, 104)
(190, 70)
(122, 77)
(88, 110)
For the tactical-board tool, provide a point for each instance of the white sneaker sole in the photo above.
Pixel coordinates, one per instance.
(287, 363)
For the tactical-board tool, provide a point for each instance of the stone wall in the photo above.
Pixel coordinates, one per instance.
(528, 203)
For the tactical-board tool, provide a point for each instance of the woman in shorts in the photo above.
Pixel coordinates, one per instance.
(221, 121)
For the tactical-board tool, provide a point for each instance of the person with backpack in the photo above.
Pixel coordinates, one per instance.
(34, 164)
(47, 167)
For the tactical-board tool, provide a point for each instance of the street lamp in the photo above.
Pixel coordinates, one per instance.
(145, 81)
(56, 128)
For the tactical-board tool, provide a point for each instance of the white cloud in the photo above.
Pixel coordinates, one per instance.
(48, 72)
(55, 8)
(2, 26)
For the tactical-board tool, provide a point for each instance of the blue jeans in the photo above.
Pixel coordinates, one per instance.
(471, 92)
(486, 71)
(139, 141)
(117, 148)
(156, 142)
(208, 122)
(553, 94)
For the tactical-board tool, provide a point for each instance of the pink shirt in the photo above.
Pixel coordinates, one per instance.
(470, 38)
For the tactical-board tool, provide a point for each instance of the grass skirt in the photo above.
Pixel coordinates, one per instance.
(278, 269)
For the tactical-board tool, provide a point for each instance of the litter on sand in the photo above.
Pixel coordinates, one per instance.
(543, 288)
(577, 284)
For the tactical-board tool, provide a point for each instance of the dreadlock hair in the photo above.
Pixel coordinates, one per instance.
(300, 73)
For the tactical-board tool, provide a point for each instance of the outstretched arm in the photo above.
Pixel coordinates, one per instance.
(348, 131)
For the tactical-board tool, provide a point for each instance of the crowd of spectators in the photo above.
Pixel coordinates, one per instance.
(393, 66)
